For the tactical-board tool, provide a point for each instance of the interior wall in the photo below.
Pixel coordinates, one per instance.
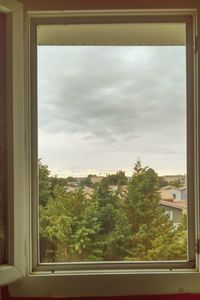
(106, 4)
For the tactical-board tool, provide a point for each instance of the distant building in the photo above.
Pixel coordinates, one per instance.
(171, 193)
(175, 210)
(174, 202)
(181, 178)
(96, 179)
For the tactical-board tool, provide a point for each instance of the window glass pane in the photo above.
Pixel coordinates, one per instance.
(112, 153)
(2, 142)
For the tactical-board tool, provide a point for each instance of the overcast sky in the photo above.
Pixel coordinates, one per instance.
(102, 107)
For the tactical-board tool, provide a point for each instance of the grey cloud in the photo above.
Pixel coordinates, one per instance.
(112, 93)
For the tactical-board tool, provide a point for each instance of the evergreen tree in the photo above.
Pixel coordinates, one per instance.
(117, 179)
(44, 183)
(153, 234)
(114, 235)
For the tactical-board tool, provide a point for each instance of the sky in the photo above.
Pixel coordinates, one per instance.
(100, 108)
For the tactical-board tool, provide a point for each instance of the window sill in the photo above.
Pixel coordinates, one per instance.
(9, 274)
(60, 284)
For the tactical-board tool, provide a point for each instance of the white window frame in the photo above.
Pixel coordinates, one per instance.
(112, 18)
(15, 268)
(76, 283)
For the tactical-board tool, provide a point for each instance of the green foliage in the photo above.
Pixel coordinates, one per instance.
(44, 183)
(87, 181)
(154, 237)
(162, 182)
(71, 180)
(126, 225)
(143, 197)
(54, 181)
(175, 183)
(117, 179)
(60, 220)
(114, 235)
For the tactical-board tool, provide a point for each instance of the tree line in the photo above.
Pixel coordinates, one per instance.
(125, 225)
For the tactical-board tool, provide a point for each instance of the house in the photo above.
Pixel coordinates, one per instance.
(171, 193)
(174, 202)
(175, 210)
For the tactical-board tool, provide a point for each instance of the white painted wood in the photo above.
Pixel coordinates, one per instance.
(175, 17)
(18, 139)
(15, 129)
(9, 274)
(112, 34)
(8, 5)
(123, 283)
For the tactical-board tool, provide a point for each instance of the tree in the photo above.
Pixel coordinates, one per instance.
(175, 183)
(126, 225)
(85, 230)
(55, 181)
(162, 182)
(117, 179)
(170, 244)
(44, 183)
(114, 236)
(153, 234)
(59, 221)
(87, 181)
(143, 197)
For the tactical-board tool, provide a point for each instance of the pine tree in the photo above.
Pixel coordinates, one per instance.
(153, 234)
(114, 236)
(44, 183)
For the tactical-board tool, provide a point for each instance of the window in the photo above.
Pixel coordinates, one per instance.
(99, 108)
(170, 215)
(61, 242)
(117, 278)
